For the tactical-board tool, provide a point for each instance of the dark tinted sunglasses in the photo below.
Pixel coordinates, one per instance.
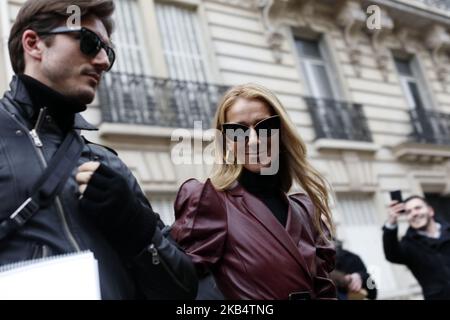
(90, 42)
(237, 131)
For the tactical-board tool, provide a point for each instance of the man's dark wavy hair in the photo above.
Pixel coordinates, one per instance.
(45, 15)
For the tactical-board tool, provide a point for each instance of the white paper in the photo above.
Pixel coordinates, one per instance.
(65, 277)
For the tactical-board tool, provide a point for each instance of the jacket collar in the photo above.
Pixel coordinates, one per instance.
(445, 233)
(288, 237)
(20, 95)
(80, 123)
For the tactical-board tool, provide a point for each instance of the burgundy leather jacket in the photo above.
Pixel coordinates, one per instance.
(251, 255)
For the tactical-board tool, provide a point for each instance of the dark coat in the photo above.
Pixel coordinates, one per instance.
(251, 255)
(348, 263)
(60, 229)
(427, 258)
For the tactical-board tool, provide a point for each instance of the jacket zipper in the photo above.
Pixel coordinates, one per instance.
(40, 252)
(38, 146)
(45, 251)
(154, 252)
(157, 260)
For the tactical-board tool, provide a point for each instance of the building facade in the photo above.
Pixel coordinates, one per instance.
(366, 83)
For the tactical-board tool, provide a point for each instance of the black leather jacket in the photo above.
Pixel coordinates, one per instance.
(162, 271)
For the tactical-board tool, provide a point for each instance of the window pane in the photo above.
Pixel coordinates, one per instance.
(182, 42)
(130, 50)
(316, 69)
(321, 82)
(308, 48)
(414, 92)
(403, 67)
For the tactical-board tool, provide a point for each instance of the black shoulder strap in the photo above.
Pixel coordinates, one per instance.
(48, 185)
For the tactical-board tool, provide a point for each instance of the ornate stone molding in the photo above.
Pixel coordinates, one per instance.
(352, 19)
(276, 13)
(407, 43)
(305, 14)
(421, 153)
(350, 173)
(271, 10)
(437, 41)
(378, 36)
(361, 172)
(274, 35)
(246, 4)
(423, 179)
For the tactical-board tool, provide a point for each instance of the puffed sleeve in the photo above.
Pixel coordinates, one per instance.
(200, 227)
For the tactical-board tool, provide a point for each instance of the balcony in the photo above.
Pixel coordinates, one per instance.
(340, 125)
(415, 15)
(143, 100)
(338, 120)
(439, 4)
(430, 138)
(430, 127)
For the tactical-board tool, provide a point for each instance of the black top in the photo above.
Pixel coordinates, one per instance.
(348, 263)
(61, 108)
(268, 189)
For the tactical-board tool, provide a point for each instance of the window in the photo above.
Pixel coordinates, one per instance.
(315, 69)
(132, 93)
(125, 87)
(333, 119)
(182, 42)
(429, 126)
(128, 39)
(410, 82)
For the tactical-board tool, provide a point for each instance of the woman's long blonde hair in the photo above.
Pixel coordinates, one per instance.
(293, 163)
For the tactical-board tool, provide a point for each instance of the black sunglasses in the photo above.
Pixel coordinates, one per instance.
(237, 131)
(90, 42)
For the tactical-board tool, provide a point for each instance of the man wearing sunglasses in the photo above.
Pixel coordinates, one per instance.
(57, 72)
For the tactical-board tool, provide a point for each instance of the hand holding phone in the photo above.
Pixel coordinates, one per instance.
(394, 211)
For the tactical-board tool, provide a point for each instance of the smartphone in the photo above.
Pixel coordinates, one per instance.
(397, 196)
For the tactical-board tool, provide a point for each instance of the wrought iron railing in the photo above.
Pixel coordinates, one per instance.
(140, 99)
(430, 127)
(338, 120)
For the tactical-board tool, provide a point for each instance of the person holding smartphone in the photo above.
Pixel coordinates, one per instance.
(425, 248)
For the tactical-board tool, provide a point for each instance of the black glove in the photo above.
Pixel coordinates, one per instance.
(127, 224)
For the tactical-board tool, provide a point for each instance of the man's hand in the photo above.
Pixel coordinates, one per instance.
(84, 175)
(394, 212)
(108, 200)
(354, 282)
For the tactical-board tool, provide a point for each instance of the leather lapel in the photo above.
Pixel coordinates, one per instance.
(294, 223)
(263, 215)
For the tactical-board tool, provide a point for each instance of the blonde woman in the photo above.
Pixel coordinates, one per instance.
(240, 225)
